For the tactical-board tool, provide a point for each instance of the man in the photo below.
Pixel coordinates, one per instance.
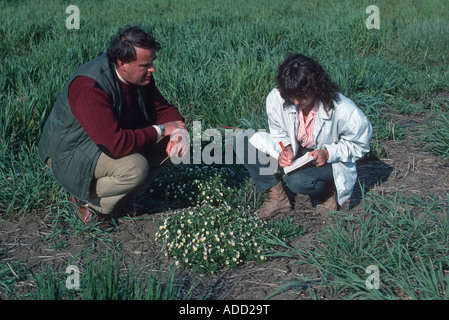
(306, 113)
(110, 130)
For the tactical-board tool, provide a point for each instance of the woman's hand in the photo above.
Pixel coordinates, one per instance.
(320, 157)
(285, 158)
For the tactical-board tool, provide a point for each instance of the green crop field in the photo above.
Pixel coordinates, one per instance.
(217, 64)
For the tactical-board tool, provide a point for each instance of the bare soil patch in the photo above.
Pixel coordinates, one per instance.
(407, 167)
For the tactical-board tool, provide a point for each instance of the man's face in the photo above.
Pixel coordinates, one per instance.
(138, 72)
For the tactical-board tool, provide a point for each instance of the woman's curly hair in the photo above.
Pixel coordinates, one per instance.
(300, 77)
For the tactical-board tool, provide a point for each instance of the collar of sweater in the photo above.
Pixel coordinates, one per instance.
(123, 83)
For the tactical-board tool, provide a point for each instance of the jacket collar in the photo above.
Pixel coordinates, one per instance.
(322, 114)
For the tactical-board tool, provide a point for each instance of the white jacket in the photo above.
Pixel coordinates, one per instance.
(345, 132)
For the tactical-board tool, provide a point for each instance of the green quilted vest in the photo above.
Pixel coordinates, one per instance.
(74, 155)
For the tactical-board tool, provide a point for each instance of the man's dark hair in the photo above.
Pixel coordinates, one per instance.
(123, 44)
(300, 77)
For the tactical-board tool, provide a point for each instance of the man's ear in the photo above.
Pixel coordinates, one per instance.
(121, 65)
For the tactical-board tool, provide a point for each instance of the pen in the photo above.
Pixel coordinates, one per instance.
(285, 151)
(283, 148)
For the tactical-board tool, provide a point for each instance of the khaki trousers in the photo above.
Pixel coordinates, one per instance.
(116, 181)
(129, 176)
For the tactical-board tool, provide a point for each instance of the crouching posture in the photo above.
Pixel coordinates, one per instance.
(110, 130)
(306, 113)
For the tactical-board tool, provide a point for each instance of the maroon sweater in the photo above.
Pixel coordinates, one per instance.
(118, 137)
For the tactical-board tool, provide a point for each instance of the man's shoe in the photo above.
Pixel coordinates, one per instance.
(275, 203)
(89, 215)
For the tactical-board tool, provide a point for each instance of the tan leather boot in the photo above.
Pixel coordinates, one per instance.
(330, 202)
(275, 203)
(301, 200)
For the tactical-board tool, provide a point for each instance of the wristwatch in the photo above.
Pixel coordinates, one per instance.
(162, 129)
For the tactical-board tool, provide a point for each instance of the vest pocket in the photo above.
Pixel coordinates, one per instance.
(75, 172)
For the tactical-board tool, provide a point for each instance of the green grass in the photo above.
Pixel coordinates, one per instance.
(217, 64)
(405, 238)
(26, 185)
(438, 138)
(105, 276)
(218, 60)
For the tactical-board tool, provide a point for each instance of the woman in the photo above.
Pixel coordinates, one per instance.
(306, 113)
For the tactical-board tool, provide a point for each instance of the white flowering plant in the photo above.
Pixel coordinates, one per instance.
(208, 238)
(212, 231)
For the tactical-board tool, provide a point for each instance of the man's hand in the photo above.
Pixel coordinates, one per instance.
(320, 157)
(285, 158)
(179, 144)
(172, 126)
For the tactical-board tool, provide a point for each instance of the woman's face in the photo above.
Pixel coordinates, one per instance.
(303, 103)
